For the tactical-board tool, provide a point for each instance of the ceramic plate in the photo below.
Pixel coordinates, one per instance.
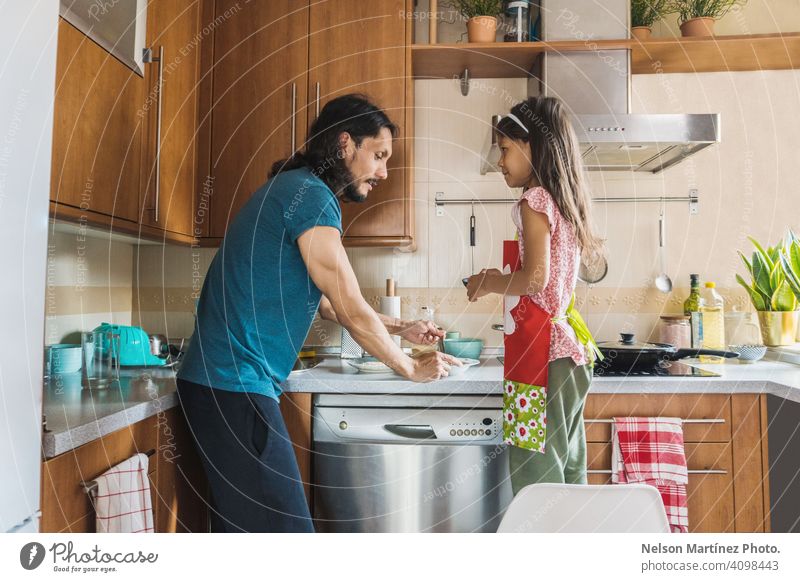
(369, 365)
(466, 364)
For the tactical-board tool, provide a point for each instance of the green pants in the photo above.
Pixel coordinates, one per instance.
(564, 460)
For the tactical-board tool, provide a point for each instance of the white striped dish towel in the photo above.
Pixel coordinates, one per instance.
(122, 501)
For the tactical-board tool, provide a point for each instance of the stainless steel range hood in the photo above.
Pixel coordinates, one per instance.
(596, 84)
(643, 143)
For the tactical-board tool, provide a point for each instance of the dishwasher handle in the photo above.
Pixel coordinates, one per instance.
(411, 431)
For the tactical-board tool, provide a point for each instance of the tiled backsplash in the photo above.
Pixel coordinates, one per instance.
(89, 281)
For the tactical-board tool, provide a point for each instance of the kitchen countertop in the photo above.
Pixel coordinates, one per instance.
(76, 417)
(771, 377)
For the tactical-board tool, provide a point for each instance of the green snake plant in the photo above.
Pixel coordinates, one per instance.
(771, 286)
(790, 261)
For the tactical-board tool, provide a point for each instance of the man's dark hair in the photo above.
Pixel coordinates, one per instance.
(352, 113)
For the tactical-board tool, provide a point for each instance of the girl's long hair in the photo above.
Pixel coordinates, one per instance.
(556, 161)
(353, 113)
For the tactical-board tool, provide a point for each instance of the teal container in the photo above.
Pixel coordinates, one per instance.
(464, 347)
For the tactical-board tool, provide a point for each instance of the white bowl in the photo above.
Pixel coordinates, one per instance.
(749, 353)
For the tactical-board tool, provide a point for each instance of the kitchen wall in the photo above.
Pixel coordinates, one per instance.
(89, 281)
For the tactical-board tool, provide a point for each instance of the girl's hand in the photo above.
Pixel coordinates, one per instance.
(476, 284)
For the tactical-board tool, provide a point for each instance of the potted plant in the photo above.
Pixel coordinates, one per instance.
(697, 17)
(481, 16)
(643, 14)
(790, 259)
(771, 294)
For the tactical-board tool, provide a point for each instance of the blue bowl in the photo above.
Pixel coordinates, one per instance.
(65, 358)
(464, 347)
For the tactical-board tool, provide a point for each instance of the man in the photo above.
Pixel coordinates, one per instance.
(281, 261)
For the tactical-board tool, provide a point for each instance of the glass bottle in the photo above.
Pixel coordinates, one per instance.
(691, 307)
(713, 310)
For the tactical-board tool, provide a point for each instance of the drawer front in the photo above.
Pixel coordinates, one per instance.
(685, 406)
(65, 505)
(709, 496)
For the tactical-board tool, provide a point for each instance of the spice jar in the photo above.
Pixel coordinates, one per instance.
(676, 330)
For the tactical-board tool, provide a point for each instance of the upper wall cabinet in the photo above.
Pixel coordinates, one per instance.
(361, 47)
(259, 91)
(169, 162)
(124, 146)
(97, 132)
(275, 64)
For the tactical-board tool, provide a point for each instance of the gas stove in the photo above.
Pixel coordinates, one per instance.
(676, 369)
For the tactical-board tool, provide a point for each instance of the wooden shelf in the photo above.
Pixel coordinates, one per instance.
(667, 55)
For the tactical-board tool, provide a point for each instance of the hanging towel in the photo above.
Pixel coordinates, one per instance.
(122, 501)
(650, 450)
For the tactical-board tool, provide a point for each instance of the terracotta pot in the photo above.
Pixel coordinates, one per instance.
(641, 32)
(702, 26)
(778, 328)
(482, 29)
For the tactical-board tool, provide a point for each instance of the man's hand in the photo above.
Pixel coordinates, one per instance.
(432, 366)
(476, 287)
(421, 332)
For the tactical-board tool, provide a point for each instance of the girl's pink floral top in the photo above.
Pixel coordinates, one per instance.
(564, 262)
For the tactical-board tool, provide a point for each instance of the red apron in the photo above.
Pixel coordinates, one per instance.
(527, 356)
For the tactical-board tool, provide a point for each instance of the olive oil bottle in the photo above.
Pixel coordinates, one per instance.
(691, 307)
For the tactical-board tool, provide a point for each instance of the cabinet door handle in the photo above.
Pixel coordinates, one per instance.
(294, 118)
(317, 100)
(149, 58)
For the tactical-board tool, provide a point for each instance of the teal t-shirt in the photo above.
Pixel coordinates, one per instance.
(258, 302)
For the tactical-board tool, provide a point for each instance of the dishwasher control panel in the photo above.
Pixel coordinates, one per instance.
(423, 426)
(488, 426)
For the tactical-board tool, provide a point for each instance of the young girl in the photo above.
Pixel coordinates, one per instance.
(549, 352)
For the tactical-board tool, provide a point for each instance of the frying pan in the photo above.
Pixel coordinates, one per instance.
(629, 355)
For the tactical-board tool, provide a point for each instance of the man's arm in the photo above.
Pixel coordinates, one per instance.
(418, 332)
(329, 268)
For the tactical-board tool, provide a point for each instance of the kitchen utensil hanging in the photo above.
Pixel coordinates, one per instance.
(593, 270)
(663, 282)
(472, 240)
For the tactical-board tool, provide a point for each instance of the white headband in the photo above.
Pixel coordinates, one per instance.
(517, 121)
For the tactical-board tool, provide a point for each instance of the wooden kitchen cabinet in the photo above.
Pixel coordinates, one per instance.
(274, 65)
(178, 486)
(297, 415)
(169, 166)
(361, 47)
(181, 491)
(259, 89)
(105, 145)
(66, 507)
(731, 491)
(97, 132)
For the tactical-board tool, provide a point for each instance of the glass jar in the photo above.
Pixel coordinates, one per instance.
(517, 21)
(676, 330)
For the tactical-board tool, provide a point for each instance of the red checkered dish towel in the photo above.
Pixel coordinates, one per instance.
(122, 502)
(650, 450)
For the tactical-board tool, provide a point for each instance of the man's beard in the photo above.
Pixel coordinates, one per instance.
(348, 188)
(351, 193)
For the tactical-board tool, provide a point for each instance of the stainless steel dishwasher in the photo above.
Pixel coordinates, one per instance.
(405, 463)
